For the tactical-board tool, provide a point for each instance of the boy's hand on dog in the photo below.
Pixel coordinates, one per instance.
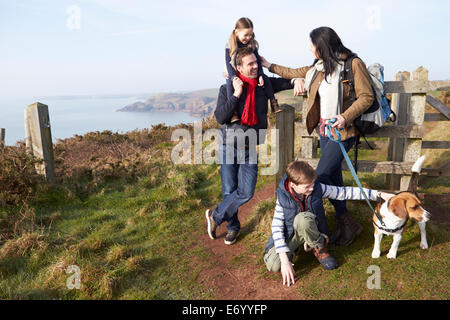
(386, 196)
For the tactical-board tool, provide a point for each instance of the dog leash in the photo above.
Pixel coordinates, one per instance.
(349, 163)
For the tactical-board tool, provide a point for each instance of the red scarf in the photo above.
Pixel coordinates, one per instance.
(249, 117)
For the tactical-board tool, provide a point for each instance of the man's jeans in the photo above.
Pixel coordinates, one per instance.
(238, 185)
(329, 169)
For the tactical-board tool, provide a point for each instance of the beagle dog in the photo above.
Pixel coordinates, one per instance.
(395, 214)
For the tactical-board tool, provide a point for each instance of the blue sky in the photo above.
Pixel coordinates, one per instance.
(85, 47)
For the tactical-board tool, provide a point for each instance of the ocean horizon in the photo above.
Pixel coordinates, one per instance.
(80, 115)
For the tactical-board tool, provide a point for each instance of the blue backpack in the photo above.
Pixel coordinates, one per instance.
(380, 111)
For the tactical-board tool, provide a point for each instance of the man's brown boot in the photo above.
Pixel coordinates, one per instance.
(274, 106)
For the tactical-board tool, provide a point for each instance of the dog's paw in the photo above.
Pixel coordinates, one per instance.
(391, 255)
(376, 254)
(424, 246)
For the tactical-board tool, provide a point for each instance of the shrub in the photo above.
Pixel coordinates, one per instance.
(18, 178)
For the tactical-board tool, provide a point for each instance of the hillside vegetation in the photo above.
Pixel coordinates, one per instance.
(131, 221)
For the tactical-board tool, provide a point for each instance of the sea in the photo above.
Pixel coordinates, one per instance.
(71, 116)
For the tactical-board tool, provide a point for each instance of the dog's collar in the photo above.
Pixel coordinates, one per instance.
(390, 230)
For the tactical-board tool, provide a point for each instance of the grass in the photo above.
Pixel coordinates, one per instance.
(132, 235)
(415, 274)
(117, 245)
(130, 220)
(121, 240)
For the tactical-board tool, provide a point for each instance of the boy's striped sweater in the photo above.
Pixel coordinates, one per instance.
(328, 192)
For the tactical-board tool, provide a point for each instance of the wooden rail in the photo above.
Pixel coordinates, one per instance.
(405, 137)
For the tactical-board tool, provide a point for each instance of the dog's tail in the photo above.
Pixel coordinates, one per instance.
(415, 174)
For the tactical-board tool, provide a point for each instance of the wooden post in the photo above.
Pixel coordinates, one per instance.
(285, 127)
(400, 105)
(39, 138)
(308, 145)
(2, 137)
(416, 114)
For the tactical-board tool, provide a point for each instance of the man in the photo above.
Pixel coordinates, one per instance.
(239, 165)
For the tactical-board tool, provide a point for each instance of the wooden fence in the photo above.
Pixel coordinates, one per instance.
(405, 137)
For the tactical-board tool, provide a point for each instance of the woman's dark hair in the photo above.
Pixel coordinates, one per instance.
(329, 47)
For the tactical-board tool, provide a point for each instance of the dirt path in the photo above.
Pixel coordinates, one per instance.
(230, 282)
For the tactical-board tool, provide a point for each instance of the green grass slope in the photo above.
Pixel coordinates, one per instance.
(130, 219)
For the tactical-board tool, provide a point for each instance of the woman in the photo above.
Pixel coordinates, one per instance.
(329, 97)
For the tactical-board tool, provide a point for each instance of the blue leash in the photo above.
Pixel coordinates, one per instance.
(349, 163)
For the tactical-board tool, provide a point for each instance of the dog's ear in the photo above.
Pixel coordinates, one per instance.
(397, 205)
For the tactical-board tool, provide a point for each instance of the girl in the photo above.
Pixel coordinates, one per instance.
(329, 97)
(243, 36)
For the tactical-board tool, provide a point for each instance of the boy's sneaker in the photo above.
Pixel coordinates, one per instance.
(212, 226)
(231, 237)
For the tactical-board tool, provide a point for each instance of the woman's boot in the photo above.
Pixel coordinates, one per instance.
(347, 228)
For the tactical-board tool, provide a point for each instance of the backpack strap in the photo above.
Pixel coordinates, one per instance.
(368, 144)
(348, 76)
(357, 143)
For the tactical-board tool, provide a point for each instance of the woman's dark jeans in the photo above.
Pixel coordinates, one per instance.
(329, 169)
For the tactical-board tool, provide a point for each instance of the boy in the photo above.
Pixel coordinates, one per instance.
(299, 218)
